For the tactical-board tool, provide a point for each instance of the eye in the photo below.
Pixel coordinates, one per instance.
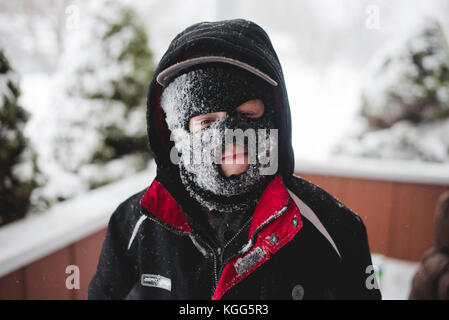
(251, 109)
(206, 122)
(248, 114)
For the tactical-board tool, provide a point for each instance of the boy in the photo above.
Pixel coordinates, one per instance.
(225, 217)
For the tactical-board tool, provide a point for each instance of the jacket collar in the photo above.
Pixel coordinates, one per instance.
(160, 203)
(276, 220)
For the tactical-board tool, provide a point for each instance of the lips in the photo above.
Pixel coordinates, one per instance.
(234, 153)
(234, 156)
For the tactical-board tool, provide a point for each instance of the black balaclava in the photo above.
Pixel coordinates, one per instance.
(217, 87)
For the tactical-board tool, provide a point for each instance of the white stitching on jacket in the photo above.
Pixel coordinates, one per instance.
(308, 213)
(136, 228)
(247, 262)
(197, 245)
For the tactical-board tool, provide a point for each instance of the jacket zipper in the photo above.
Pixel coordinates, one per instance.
(256, 232)
(215, 275)
(220, 255)
(238, 232)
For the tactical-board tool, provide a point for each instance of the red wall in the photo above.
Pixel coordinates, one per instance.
(399, 216)
(46, 278)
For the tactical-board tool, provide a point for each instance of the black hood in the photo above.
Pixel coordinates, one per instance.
(237, 39)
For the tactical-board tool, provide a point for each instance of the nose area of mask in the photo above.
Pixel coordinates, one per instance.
(234, 129)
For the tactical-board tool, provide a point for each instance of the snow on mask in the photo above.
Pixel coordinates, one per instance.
(221, 88)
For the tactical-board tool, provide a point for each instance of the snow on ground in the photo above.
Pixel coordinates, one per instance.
(396, 276)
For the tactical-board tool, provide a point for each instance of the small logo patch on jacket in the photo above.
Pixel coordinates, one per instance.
(242, 265)
(155, 280)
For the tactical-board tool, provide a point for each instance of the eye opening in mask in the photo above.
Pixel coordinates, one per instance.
(203, 121)
(252, 109)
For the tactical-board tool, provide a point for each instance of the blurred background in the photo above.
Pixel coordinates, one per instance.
(368, 84)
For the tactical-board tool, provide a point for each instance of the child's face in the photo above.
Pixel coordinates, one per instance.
(234, 157)
(221, 120)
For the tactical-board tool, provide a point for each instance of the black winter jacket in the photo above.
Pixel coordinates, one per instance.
(300, 242)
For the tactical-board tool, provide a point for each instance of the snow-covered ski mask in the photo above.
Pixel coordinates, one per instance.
(221, 88)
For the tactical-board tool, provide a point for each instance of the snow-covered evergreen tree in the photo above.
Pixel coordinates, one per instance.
(414, 85)
(18, 168)
(107, 67)
(405, 104)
